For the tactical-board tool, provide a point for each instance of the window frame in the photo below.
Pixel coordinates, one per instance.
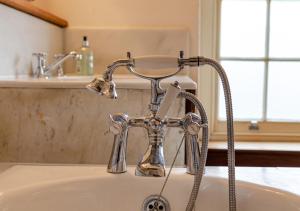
(210, 28)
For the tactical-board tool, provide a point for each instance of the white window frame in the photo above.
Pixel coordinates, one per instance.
(208, 86)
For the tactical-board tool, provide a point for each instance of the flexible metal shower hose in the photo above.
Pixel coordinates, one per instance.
(230, 131)
(199, 165)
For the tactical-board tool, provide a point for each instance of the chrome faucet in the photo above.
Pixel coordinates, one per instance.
(42, 69)
(153, 162)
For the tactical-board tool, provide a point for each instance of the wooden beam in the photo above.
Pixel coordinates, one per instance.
(30, 9)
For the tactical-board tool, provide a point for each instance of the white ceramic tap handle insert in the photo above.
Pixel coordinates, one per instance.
(171, 94)
(155, 62)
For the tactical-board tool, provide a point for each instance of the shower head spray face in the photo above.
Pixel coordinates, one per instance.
(101, 87)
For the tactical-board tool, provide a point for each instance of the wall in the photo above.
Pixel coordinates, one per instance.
(20, 36)
(130, 14)
(110, 45)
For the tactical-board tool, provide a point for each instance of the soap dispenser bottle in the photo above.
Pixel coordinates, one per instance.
(86, 63)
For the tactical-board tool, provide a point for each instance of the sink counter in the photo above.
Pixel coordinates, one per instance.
(122, 82)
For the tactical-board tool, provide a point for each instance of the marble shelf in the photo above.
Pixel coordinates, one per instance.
(122, 82)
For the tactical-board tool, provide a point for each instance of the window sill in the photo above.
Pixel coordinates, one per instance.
(259, 137)
(247, 145)
(256, 154)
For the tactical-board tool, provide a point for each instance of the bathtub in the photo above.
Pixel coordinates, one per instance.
(90, 188)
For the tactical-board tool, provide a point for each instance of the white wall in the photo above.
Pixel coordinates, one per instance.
(20, 36)
(129, 13)
(110, 45)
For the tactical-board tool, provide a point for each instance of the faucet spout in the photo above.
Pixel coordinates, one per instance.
(43, 70)
(59, 61)
(153, 162)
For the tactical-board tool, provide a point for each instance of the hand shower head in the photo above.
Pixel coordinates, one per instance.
(102, 87)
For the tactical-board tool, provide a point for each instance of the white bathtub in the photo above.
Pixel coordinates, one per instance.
(75, 188)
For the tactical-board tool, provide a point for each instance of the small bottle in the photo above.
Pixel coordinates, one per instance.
(86, 63)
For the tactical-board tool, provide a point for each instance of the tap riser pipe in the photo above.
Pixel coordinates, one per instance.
(192, 153)
(117, 161)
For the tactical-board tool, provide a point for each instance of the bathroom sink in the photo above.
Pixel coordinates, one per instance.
(49, 188)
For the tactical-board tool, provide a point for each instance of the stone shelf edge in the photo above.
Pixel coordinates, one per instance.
(122, 82)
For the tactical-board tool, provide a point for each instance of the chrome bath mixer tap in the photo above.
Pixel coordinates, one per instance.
(153, 162)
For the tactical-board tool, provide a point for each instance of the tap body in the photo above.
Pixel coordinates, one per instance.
(152, 163)
(42, 69)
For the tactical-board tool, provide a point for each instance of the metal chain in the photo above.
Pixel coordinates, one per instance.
(171, 167)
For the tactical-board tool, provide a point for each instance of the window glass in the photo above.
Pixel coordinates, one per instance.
(243, 26)
(248, 62)
(246, 81)
(284, 91)
(284, 29)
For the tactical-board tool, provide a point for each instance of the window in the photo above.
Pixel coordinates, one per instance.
(259, 47)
